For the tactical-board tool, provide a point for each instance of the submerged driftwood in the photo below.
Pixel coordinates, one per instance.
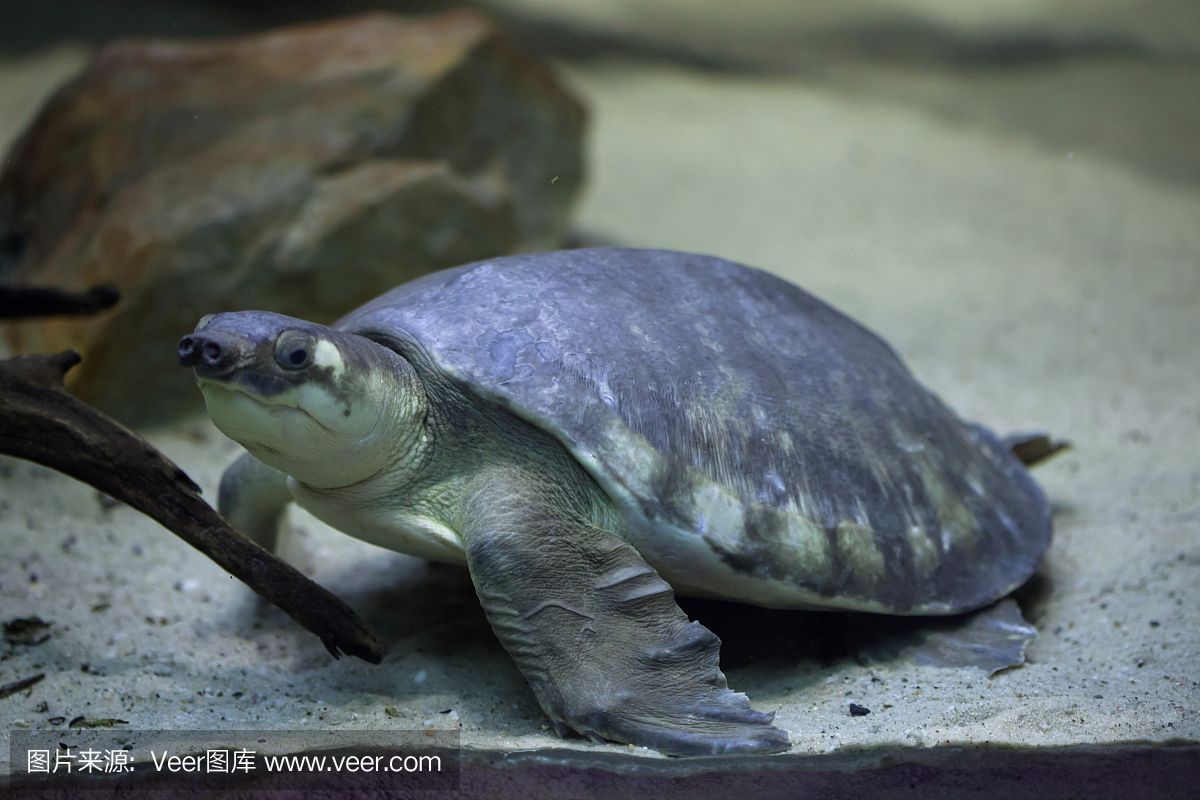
(23, 302)
(40, 421)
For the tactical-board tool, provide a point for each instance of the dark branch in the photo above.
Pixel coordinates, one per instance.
(17, 302)
(20, 685)
(40, 421)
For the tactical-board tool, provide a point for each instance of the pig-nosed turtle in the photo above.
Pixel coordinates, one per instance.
(592, 431)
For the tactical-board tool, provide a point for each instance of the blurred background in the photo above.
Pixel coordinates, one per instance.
(925, 148)
(1114, 77)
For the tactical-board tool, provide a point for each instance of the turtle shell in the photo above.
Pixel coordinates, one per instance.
(761, 445)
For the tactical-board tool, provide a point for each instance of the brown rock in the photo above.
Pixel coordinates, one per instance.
(303, 171)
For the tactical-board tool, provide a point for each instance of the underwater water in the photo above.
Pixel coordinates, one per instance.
(1008, 195)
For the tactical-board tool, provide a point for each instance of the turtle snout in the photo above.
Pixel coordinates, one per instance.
(211, 354)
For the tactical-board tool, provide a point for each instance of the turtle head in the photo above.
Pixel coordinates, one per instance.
(327, 407)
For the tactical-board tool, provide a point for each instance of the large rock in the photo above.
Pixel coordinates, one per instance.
(304, 171)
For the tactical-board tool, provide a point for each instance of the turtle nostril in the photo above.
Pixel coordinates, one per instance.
(188, 352)
(211, 353)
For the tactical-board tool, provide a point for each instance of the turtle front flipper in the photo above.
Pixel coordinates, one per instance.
(596, 631)
(252, 498)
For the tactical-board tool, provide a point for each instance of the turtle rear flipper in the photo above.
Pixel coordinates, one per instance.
(596, 631)
(992, 639)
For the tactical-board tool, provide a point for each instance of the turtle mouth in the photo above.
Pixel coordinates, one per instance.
(272, 404)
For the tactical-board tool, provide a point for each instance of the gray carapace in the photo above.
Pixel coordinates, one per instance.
(592, 431)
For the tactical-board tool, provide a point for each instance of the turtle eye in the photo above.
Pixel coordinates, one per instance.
(294, 350)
